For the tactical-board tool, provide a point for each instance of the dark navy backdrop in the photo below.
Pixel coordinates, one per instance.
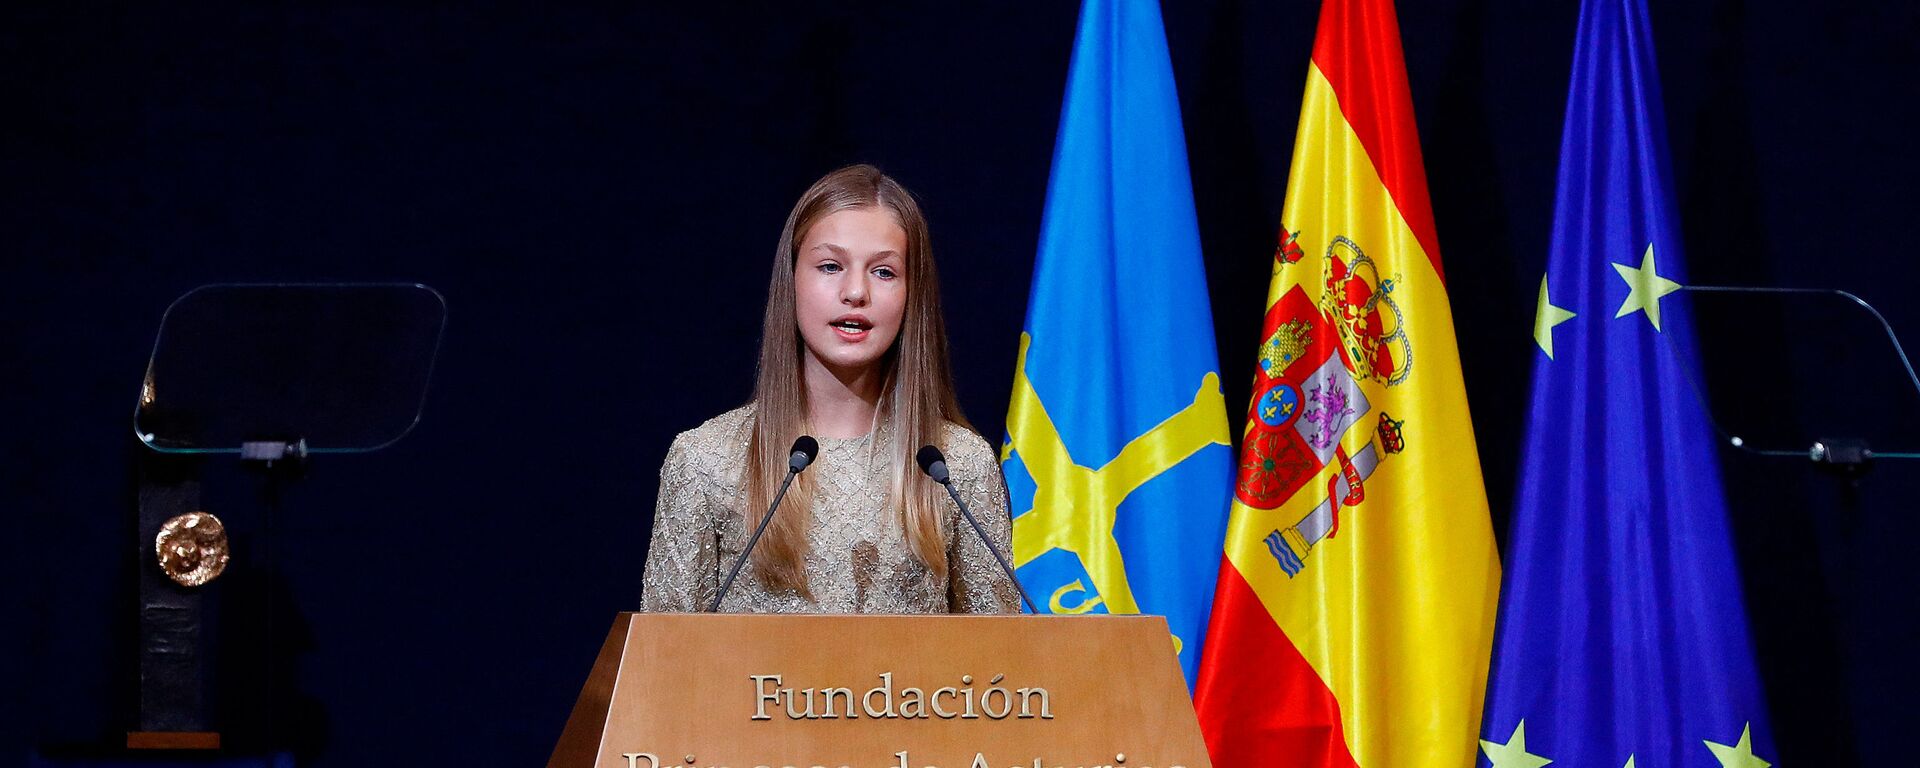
(597, 194)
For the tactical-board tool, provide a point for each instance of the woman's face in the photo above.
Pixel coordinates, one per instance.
(850, 288)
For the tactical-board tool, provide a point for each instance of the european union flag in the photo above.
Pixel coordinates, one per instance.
(1621, 637)
(1117, 454)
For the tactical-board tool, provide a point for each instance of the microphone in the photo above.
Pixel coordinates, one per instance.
(802, 454)
(934, 464)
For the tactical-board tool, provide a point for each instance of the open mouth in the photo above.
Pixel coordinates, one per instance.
(851, 327)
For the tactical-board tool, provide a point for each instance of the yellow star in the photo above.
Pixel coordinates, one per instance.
(1629, 762)
(1545, 317)
(1644, 288)
(1513, 754)
(1740, 755)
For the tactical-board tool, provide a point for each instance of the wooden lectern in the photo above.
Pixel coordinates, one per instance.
(762, 691)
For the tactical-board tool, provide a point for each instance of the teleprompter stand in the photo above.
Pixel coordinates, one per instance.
(273, 375)
(1814, 374)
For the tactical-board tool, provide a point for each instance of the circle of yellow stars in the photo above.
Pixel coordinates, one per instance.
(1514, 754)
(1645, 288)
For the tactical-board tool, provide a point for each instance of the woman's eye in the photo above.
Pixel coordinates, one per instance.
(828, 268)
(884, 273)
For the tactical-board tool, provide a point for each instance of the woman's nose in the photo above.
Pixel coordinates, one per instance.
(854, 290)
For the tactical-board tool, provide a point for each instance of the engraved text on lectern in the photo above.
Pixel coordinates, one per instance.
(964, 702)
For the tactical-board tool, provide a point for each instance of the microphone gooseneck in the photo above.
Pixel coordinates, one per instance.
(934, 464)
(804, 450)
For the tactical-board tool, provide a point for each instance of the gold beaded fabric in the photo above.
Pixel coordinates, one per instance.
(859, 560)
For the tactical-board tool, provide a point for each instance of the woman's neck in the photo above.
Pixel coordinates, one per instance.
(840, 402)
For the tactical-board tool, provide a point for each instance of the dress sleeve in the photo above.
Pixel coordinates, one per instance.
(681, 573)
(975, 581)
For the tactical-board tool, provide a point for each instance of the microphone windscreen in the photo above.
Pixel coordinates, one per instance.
(933, 463)
(803, 453)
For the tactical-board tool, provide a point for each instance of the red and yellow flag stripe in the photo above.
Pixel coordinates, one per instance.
(1354, 614)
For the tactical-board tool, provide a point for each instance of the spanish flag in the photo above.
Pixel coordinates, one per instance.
(1354, 612)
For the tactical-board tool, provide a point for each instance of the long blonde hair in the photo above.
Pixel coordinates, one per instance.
(916, 393)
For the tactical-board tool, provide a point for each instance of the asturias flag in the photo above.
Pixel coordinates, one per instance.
(1355, 609)
(1116, 457)
(1622, 638)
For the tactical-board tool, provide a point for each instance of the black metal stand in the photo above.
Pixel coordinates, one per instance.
(173, 712)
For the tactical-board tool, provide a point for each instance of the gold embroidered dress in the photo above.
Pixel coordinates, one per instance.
(859, 560)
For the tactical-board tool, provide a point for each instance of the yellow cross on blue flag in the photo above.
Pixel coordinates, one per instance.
(1622, 639)
(1117, 456)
